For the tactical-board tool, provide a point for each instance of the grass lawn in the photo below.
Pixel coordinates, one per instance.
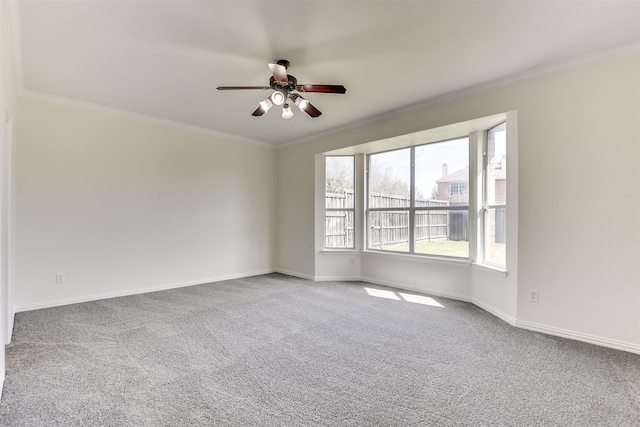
(443, 247)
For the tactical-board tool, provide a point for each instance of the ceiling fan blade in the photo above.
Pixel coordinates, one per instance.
(259, 111)
(312, 111)
(321, 88)
(279, 73)
(243, 87)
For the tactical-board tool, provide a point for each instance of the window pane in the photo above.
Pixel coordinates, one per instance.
(339, 229)
(443, 233)
(496, 184)
(496, 236)
(389, 179)
(389, 230)
(339, 173)
(442, 172)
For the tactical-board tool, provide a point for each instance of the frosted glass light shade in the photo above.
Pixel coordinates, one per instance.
(301, 103)
(286, 112)
(278, 98)
(266, 104)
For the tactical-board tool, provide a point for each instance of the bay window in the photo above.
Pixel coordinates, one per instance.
(435, 193)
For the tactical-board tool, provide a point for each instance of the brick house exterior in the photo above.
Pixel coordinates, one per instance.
(454, 187)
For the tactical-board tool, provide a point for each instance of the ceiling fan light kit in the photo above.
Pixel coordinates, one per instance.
(278, 97)
(300, 102)
(266, 104)
(284, 88)
(286, 112)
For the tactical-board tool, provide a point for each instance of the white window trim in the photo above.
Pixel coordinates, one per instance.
(329, 251)
(484, 210)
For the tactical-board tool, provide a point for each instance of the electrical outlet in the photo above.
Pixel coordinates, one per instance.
(534, 296)
(352, 260)
(60, 278)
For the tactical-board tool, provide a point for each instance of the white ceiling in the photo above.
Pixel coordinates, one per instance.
(165, 58)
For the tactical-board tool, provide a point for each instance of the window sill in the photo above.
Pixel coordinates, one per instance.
(420, 258)
(339, 251)
(491, 269)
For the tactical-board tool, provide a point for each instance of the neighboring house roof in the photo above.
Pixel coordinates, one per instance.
(461, 175)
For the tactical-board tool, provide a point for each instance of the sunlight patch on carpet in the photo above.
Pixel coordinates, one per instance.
(420, 299)
(403, 296)
(380, 293)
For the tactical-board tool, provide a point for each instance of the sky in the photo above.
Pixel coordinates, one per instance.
(429, 160)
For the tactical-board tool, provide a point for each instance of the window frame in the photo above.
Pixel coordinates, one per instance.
(352, 209)
(412, 209)
(487, 207)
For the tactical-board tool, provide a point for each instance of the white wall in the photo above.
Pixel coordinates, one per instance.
(8, 89)
(579, 163)
(579, 155)
(295, 200)
(121, 205)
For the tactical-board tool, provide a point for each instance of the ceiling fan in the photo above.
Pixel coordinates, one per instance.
(285, 88)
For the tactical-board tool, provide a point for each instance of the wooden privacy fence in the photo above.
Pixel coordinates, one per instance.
(339, 229)
(339, 224)
(389, 228)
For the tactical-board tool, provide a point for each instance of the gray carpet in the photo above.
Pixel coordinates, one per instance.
(275, 350)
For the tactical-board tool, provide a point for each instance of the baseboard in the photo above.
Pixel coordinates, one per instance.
(127, 292)
(579, 336)
(319, 278)
(435, 292)
(294, 273)
(492, 310)
(337, 278)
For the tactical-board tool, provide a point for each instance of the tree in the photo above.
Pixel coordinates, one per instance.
(339, 174)
(434, 192)
(388, 185)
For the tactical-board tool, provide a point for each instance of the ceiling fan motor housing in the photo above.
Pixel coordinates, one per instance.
(283, 62)
(289, 86)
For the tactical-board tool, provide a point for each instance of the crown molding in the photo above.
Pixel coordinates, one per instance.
(61, 100)
(505, 82)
